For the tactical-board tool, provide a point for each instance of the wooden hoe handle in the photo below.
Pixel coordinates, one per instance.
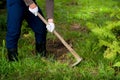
(78, 58)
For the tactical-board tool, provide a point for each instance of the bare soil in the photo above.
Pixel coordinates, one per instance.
(56, 48)
(78, 27)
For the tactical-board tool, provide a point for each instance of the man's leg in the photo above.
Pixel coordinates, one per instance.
(14, 20)
(40, 32)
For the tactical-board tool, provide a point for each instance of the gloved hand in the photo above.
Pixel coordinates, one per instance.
(34, 10)
(50, 27)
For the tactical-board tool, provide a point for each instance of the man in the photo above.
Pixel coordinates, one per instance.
(27, 9)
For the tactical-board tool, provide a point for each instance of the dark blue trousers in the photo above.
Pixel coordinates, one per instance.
(17, 12)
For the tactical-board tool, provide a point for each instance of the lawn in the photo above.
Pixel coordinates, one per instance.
(90, 27)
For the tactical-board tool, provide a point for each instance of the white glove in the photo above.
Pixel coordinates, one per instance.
(50, 27)
(34, 10)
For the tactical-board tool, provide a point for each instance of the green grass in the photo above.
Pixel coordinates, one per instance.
(88, 14)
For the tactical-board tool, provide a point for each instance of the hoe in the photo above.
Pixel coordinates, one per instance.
(77, 57)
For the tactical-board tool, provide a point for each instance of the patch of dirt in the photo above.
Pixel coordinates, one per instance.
(77, 27)
(59, 51)
(56, 48)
